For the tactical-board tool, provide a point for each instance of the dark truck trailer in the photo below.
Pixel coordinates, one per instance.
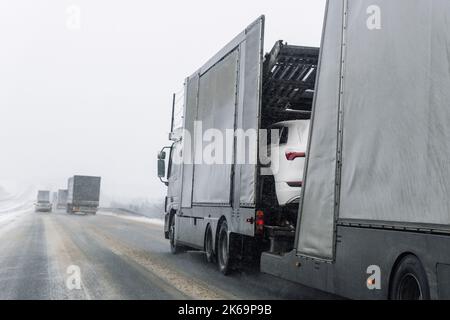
(62, 199)
(374, 222)
(83, 194)
(43, 203)
(222, 208)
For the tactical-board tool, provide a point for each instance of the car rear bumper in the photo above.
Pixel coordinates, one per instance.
(84, 209)
(286, 194)
(43, 208)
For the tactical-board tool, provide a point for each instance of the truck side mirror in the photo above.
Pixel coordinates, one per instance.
(162, 155)
(161, 168)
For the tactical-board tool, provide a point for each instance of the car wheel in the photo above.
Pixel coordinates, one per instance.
(410, 281)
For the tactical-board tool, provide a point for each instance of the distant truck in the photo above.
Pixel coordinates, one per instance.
(83, 194)
(43, 202)
(62, 199)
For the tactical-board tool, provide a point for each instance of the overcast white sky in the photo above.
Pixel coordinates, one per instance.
(97, 100)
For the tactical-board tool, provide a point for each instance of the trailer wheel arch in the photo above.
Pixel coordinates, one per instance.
(395, 269)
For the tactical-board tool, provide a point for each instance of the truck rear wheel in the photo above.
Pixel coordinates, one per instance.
(410, 281)
(223, 250)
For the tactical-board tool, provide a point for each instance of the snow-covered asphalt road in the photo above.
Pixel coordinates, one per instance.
(108, 256)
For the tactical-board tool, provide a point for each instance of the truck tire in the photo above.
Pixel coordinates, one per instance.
(174, 248)
(209, 251)
(224, 259)
(410, 281)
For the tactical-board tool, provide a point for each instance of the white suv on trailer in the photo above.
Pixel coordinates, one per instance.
(287, 157)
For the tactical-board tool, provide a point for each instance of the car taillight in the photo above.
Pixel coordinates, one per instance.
(259, 222)
(291, 156)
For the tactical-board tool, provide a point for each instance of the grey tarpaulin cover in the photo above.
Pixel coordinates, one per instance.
(216, 110)
(249, 109)
(224, 95)
(396, 161)
(190, 114)
(396, 120)
(43, 196)
(317, 218)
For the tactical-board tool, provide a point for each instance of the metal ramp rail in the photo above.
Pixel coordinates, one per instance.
(289, 75)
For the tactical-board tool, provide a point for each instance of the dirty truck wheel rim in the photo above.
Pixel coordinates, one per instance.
(172, 234)
(209, 245)
(223, 248)
(410, 288)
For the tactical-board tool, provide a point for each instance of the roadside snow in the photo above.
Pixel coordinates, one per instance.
(14, 203)
(157, 222)
(6, 208)
(11, 216)
(14, 198)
